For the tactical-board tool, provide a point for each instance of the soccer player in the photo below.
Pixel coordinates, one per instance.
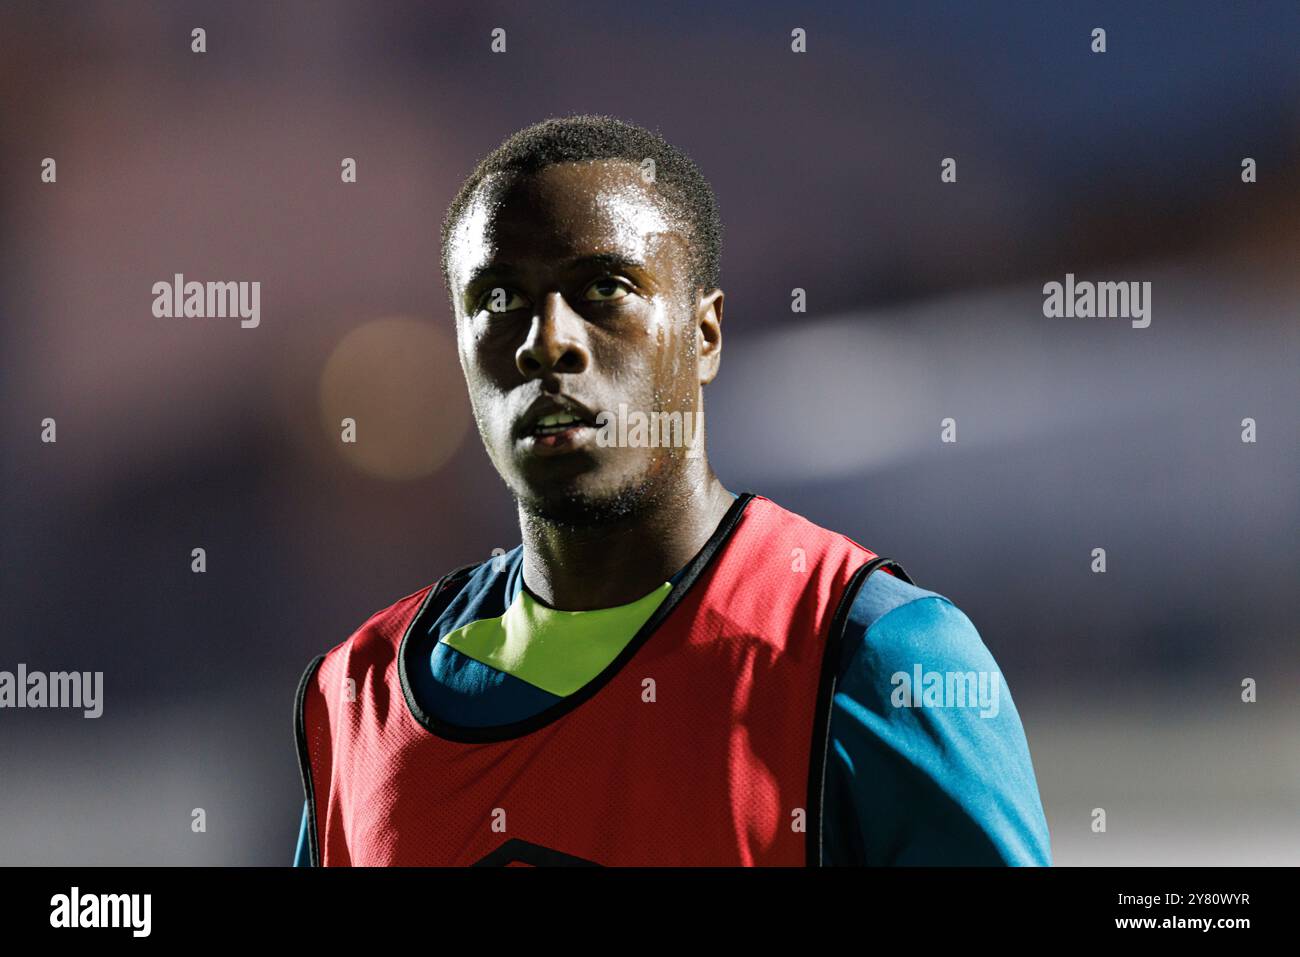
(663, 672)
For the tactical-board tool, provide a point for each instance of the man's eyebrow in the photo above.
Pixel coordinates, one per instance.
(481, 271)
(609, 261)
(606, 261)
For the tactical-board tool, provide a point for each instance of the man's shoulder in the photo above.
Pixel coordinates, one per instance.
(882, 595)
(799, 522)
(892, 623)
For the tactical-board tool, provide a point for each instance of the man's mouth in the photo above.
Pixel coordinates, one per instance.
(556, 423)
(558, 426)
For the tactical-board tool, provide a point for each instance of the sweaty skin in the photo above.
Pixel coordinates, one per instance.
(574, 281)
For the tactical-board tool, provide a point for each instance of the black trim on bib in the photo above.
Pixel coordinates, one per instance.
(534, 855)
(304, 757)
(477, 735)
(825, 697)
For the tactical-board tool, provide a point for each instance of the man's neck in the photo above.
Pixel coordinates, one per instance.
(584, 569)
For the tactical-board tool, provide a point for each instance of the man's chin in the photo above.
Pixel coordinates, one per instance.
(582, 502)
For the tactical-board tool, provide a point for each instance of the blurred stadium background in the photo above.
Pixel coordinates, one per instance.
(924, 302)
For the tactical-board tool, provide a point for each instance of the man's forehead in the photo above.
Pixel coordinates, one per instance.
(563, 211)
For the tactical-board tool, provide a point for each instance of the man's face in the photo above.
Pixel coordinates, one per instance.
(573, 295)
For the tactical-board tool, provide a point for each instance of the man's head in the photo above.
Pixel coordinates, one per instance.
(581, 257)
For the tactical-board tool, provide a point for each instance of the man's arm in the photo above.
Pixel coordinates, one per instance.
(914, 776)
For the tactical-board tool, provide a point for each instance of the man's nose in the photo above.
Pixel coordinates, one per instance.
(556, 341)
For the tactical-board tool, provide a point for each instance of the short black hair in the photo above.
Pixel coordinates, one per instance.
(575, 139)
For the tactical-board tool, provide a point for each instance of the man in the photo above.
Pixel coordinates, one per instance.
(663, 672)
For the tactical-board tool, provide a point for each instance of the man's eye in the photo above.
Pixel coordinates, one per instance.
(608, 289)
(501, 300)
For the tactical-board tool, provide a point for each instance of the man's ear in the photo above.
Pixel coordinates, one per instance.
(708, 334)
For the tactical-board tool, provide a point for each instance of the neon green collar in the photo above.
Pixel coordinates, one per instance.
(557, 651)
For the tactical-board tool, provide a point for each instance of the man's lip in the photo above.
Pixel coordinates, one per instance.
(576, 436)
(552, 405)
